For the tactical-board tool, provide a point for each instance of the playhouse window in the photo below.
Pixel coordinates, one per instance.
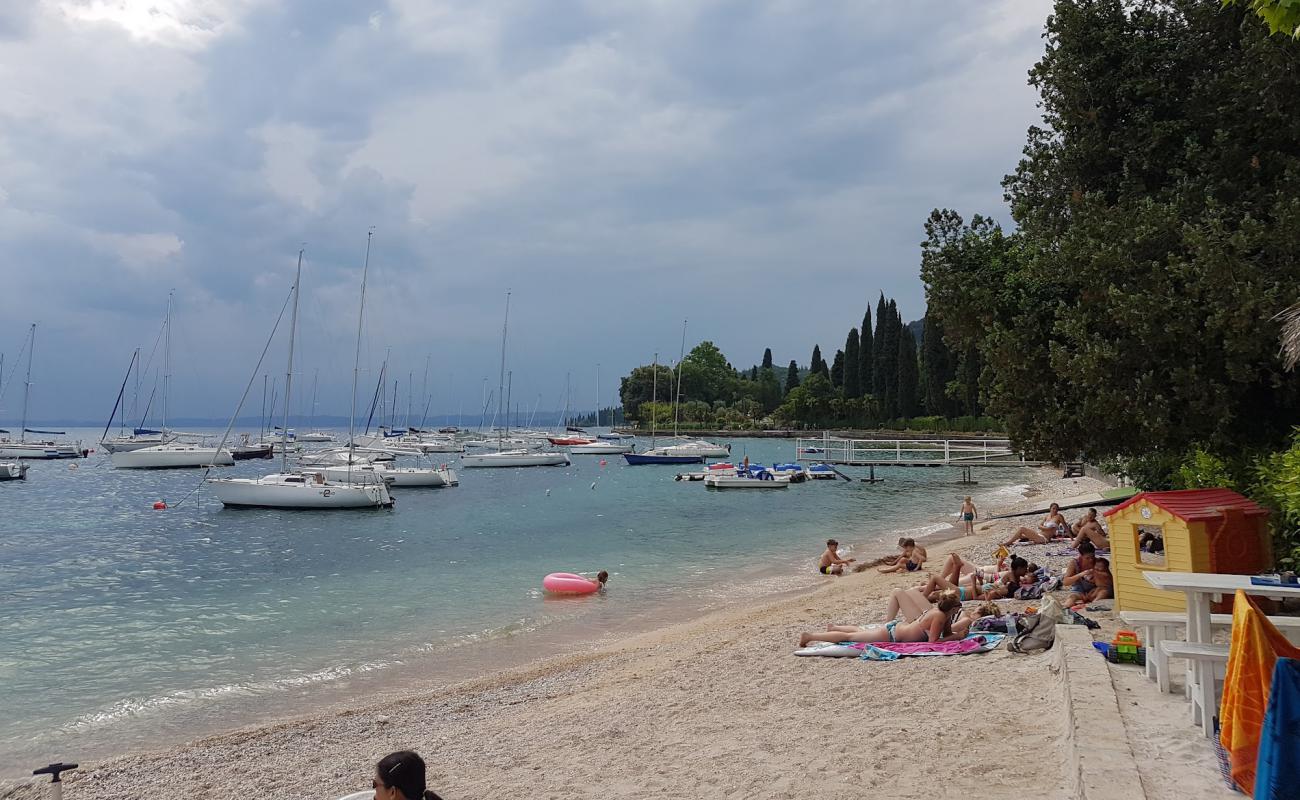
(1149, 544)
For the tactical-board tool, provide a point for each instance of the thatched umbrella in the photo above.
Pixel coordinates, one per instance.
(1290, 320)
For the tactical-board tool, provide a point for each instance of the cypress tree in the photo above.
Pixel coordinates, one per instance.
(852, 363)
(837, 370)
(753, 373)
(908, 374)
(866, 357)
(892, 328)
(879, 351)
(767, 358)
(818, 363)
(791, 376)
(936, 369)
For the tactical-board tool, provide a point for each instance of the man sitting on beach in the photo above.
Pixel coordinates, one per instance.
(911, 559)
(1090, 530)
(831, 563)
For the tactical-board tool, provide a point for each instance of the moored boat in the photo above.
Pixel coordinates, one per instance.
(13, 471)
(515, 458)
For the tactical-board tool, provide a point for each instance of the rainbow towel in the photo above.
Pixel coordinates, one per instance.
(891, 651)
(1256, 646)
(1279, 747)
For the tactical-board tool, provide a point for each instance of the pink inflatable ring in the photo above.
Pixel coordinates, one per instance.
(568, 583)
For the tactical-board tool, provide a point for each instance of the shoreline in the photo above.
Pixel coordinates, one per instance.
(817, 433)
(534, 679)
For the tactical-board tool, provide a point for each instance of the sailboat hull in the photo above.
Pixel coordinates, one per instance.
(41, 451)
(292, 492)
(172, 457)
(515, 459)
(641, 459)
(600, 449)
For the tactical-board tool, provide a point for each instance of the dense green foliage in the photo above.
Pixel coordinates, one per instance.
(1282, 16)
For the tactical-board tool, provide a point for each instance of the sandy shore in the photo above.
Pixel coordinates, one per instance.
(714, 707)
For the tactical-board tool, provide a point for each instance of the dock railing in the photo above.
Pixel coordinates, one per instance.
(909, 452)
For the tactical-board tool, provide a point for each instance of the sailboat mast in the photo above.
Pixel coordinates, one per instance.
(654, 398)
(167, 361)
(288, 373)
(356, 363)
(27, 384)
(501, 377)
(597, 395)
(261, 437)
(314, 379)
(677, 396)
(510, 380)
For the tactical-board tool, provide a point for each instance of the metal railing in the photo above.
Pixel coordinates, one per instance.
(908, 452)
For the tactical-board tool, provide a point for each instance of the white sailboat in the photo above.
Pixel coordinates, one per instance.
(308, 489)
(174, 454)
(47, 449)
(603, 446)
(511, 458)
(313, 435)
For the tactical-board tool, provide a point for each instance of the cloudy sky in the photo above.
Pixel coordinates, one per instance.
(761, 169)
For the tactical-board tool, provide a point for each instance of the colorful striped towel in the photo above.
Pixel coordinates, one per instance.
(891, 651)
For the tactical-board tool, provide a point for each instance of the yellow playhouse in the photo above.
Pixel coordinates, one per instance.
(1202, 530)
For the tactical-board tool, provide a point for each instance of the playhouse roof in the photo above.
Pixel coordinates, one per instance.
(1195, 505)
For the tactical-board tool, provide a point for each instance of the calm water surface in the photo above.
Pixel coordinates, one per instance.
(122, 627)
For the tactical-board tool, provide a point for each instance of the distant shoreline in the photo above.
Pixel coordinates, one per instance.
(843, 433)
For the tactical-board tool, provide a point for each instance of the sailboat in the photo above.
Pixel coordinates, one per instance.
(308, 490)
(174, 454)
(658, 455)
(511, 458)
(139, 437)
(48, 449)
(696, 447)
(603, 446)
(312, 434)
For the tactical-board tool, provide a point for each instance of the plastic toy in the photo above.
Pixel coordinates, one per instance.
(1126, 648)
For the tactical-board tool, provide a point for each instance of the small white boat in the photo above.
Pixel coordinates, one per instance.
(172, 456)
(123, 444)
(515, 458)
(698, 447)
(316, 436)
(402, 477)
(615, 437)
(734, 481)
(299, 490)
(600, 449)
(40, 450)
(13, 471)
(822, 472)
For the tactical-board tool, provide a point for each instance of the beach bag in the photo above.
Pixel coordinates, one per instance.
(1037, 632)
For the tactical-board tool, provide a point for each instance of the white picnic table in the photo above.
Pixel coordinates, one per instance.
(1202, 589)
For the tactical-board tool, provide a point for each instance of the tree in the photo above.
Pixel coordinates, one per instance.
(636, 389)
(818, 363)
(937, 370)
(753, 373)
(791, 376)
(878, 351)
(1282, 16)
(865, 356)
(706, 375)
(837, 370)
(891, 326)
(1158, 213)
(767, 358)
(852, 363)
(907, 374)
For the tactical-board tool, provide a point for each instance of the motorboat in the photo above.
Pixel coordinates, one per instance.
(174, 455)
(661, 456)
(569, 441)
(822, 472)
(753, 478)
(302, 490)
(515, 458)
(699, 447)
(795, 472)
(13, 471)
(600, 449)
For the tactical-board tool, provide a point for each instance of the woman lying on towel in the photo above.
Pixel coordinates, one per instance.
(975, 582)
(938, 624)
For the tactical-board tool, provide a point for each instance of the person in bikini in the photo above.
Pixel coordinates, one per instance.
(830, 562)
(1078, 573)
(938, 624)
(911, 559)
(1093, 584)
(975, 582)
(1052, 527)
(969, 515)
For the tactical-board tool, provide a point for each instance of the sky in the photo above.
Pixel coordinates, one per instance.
(759, 170)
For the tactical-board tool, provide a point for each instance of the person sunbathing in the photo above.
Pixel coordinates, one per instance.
(1090, 530)
(1052, 527)
(981, 583)
(911, 559)
(938, 624)
(1093, 584)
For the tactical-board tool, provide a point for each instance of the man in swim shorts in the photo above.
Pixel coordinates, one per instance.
(830, 562)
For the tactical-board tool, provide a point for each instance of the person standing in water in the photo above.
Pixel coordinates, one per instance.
(968, 515)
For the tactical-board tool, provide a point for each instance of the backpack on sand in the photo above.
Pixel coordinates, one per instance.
(1037, 631)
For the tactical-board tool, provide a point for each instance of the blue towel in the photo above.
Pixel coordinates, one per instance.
(1278, 763)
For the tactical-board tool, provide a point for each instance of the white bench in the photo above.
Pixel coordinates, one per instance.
(1158, 626)
(1205, 697)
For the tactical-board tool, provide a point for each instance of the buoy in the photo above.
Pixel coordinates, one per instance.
(548, 492)
(603, 462)
(159, 506)
(593, 484)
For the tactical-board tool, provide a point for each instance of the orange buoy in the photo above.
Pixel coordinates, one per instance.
(159, 506)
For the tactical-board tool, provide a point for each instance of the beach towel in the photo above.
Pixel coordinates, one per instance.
(890, 651)
(1256, 646)
(1279, 744)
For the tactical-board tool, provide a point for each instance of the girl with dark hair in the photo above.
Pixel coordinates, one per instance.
(400, 776)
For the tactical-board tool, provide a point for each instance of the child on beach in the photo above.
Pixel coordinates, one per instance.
(911, 559)
(401, 776)
(969, 515)
(830, 562)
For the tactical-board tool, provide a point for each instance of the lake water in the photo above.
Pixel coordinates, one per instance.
(122, 627)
